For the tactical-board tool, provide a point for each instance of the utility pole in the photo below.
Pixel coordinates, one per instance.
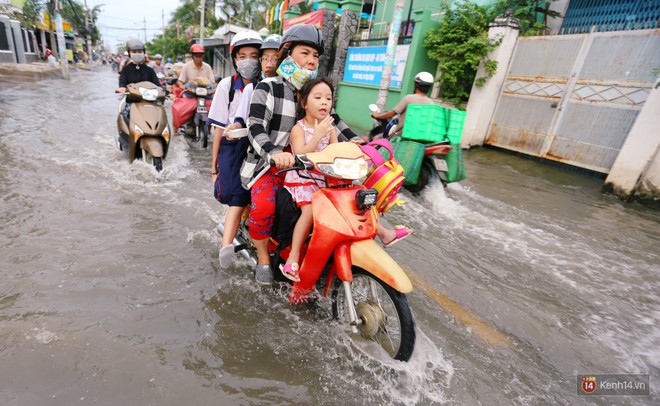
(145, 30)
(162, 16)
(392, 41)
(89, 36)
(61, 45)
(202, 5)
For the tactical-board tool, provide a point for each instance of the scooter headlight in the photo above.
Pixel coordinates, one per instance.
(346, 168)
(201, 91)
(148, 94)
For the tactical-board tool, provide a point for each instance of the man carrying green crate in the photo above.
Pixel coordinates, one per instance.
(423, 83)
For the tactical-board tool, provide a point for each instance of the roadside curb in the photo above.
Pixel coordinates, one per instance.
(28, 71)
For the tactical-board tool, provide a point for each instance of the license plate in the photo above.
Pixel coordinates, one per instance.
(440, 165)
(201, 109)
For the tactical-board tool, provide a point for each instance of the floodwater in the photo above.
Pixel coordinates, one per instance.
(110, 293)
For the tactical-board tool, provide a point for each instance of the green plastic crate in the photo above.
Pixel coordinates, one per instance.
(410, 155)
(455, 164)
(425, 123)
(455, 125)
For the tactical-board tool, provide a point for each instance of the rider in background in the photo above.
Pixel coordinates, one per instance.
(230, 153)
(156, 64)
(423, 83)
(136, 70)
(196, 67)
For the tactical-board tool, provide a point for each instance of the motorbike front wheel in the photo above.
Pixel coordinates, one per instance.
(384, 314)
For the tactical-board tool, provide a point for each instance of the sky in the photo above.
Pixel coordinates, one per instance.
(121, 20)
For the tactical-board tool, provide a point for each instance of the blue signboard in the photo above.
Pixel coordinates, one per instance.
(364, 65)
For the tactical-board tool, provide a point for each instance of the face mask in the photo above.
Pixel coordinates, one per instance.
(248, 68)
(137, 58)
(296, 75)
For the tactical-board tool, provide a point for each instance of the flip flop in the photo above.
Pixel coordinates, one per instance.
(401, 233)
(290, 271)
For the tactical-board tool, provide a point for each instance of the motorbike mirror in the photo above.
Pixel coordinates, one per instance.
(374, 108)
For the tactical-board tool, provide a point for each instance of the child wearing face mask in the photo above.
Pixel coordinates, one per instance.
(228, 153)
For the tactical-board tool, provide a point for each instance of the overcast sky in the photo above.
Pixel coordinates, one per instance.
(120, 20)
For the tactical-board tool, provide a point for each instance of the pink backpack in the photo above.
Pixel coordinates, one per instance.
(386, 175)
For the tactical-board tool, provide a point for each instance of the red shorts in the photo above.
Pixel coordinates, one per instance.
(264, 196)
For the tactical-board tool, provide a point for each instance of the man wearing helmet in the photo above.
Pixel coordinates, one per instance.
(271, 117)
(195, 68)
(228, 154)
(423, 83)
(136, 70)
(156, 64)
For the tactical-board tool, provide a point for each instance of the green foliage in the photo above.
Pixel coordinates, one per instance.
(532, 15)
(461, 42)
(31, 13)
(459, 45)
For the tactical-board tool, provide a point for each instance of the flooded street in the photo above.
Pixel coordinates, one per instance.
(525, 275)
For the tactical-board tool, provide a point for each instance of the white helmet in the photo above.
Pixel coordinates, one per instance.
(244, 38)
(424, 79)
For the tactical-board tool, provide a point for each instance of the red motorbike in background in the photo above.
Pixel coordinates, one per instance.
(367, 287)
(433, 164)
(190, 110)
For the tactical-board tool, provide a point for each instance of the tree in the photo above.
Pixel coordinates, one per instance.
(459, 45)
(32, 10)
(461, 42)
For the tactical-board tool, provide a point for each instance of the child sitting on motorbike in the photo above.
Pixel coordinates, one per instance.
(313, 132)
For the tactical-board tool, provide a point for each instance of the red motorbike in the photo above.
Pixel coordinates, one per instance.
(341, 259)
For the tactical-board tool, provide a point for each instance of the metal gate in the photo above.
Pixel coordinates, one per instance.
(574, 98)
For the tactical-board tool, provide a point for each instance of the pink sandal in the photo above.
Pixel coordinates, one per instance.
(291, 271)
(401, 233)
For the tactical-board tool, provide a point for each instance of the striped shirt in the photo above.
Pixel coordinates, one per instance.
(272, 115)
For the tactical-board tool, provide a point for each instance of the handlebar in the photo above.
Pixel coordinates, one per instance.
(300, 162)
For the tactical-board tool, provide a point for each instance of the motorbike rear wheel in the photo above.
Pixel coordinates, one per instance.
(426, 174)
(385, 314)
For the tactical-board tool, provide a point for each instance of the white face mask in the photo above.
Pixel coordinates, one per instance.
(248, 68)
(137, 58)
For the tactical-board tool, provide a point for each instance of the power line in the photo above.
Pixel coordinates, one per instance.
(130, 28)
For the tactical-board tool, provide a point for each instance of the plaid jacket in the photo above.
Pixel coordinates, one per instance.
(272, 115)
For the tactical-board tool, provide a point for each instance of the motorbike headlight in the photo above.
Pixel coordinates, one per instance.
(346, 168)
(201, 91)
(148, 94)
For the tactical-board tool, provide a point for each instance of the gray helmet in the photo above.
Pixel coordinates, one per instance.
(303, 34)
(135, 45)
(272, 41)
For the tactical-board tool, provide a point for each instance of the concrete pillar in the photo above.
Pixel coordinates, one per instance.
(554, 24)
(18, 40)
(329, 8)
(348, 26)
(636, 170)
(482, 102)
(8, 56)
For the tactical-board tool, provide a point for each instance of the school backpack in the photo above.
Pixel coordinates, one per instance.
(386, 175)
